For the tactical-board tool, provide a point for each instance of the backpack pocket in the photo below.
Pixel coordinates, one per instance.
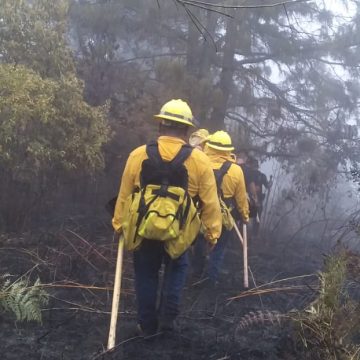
(227, 218)
(173, 219)
(188, 233)
(161, 213)
(129, 225)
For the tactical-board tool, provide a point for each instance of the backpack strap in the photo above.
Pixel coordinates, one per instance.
(152, 151)
(219, 174)
(182, 155)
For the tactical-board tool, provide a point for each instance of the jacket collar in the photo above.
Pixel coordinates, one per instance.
(219, 155)
(171, 139)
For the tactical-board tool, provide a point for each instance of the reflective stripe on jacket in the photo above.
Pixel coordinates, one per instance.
(201, 183)
(233, 185)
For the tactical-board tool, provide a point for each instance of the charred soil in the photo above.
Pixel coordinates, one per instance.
(78, 266)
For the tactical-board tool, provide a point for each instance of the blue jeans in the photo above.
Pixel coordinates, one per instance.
(147, 263)
(199, 255)
(216, 256)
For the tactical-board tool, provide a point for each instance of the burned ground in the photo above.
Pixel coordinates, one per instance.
(78, 265)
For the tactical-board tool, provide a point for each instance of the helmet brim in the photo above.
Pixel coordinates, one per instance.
(173, 118)
(220, 148)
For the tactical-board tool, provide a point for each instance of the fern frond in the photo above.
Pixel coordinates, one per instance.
(23, 300)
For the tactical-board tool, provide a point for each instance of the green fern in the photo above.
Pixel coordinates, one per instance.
(22, 299)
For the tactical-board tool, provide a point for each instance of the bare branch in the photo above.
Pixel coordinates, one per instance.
(195, 20)
(209, 6)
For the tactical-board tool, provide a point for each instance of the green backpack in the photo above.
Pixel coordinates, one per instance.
(162, 209)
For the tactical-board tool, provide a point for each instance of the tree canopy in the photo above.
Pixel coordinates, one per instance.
(283, 79)
(46, 126)
(45, 120)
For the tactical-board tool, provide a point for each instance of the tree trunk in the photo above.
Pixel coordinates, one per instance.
(192, 51)
(225, 84)
(208, 47)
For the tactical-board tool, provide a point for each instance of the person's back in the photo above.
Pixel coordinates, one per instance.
(259, 179)
(260, 182)
(232, 189)
(176, 118)
(249, 174)
(233, 183)
(200, 183)
(241, 160)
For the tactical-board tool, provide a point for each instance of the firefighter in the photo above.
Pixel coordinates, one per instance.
(261, 182)
(165, 172)
(198, 138)
(231, 190)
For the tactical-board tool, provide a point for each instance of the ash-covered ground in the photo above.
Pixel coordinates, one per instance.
(79, 266)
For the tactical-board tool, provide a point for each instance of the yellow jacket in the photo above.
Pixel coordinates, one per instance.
(201, 182)
(233, 185)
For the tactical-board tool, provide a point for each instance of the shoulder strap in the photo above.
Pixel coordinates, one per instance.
(152, 151)
(182, 155)
(219, 175)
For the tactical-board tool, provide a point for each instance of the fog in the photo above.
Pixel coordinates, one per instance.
(283, 80)
(80, 83)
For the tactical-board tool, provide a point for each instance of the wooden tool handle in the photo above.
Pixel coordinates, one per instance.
(245, 254)
(116, 295)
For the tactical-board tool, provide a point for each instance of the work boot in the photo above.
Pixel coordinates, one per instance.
(167, 325)
(139, 331)
(143, 332)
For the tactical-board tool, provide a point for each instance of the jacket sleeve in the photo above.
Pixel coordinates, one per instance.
(126, 188)
(240, 195)
(210, 213)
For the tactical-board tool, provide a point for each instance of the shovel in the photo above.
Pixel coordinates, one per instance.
(116, 295)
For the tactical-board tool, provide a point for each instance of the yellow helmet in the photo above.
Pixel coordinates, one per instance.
(198, 137)
(177, 110)
(220, 140)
